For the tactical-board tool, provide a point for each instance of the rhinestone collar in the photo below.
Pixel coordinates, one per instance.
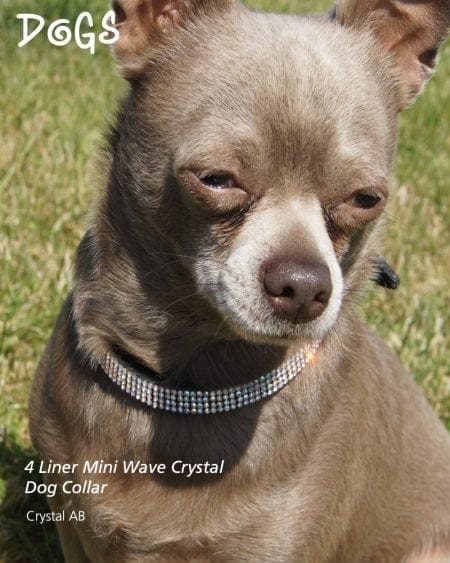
(190, 401)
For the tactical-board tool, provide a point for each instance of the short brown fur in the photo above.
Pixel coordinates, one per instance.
(347, 463)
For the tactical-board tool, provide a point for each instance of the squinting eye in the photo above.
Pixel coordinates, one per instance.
(364, 200)
(218, 181)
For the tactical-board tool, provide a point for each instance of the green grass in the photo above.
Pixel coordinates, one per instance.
(54, 105)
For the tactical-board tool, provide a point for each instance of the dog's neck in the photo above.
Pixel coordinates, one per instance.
(209, 365)
(227, 362)
(146, 387)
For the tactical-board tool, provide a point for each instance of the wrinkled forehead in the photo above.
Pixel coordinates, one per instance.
(300, 85)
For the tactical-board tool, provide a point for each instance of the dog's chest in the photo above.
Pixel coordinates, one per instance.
(204, 523)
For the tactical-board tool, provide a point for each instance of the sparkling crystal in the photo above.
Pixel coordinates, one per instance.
(199, 402)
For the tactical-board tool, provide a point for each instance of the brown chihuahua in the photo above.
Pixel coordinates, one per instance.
(209, 394)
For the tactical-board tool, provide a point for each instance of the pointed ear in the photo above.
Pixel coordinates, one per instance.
(143, 23)
(410, 30)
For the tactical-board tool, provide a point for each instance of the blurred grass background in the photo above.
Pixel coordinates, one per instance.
(54, 105)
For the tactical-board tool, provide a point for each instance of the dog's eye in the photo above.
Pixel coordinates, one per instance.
(364, 200)
(218, 193)
(218, 181)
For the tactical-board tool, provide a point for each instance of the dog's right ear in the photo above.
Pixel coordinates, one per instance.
(142, 24)
(409, 31)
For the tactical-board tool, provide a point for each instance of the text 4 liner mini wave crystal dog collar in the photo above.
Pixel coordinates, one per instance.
(190, 401)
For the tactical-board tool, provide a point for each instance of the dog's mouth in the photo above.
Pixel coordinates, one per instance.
(266, 328)
(272, 311)
(270, 337)
(281, 320)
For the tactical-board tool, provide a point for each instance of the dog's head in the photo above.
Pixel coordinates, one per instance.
(257, 148)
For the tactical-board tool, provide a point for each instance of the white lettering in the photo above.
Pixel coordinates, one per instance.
(59, 32)
(108, 24)
(90, 43)
(140, 467)
(77, 516)
(27, 35)
(41, 488)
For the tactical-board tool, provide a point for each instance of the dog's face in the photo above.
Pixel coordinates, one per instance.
(262, 147)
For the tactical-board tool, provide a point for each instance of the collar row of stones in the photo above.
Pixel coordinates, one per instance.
(189, 401)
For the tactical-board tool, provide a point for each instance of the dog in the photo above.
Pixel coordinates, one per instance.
(209, 393)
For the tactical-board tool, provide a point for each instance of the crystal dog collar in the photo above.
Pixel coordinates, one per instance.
(191, 401)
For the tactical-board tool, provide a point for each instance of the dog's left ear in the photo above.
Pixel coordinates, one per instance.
(410, 30)
(142, 25)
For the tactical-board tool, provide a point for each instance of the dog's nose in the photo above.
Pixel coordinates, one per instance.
(298, 290)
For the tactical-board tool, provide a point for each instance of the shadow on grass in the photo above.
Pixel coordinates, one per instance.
(20, 540)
